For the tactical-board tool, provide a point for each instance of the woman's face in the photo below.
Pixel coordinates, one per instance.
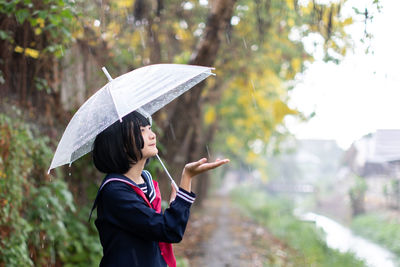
(149, 148)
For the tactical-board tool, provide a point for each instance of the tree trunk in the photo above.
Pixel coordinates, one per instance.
(183, 133)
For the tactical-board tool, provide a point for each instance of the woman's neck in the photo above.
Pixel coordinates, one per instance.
(135, 172)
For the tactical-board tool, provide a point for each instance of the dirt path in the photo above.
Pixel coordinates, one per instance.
(221, 236)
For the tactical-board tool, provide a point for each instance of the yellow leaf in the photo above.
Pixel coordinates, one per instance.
(232, 141)
(296, 64)
(281, 110)
(40, 21)
(251, 157)
(18, 49)
(290, 22)
(124, 3)
(38, 31)
(348, 21)
(32, 52)
(27, 51)
(210, 116)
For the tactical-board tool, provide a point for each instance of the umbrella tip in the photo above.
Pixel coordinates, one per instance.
(107, 74)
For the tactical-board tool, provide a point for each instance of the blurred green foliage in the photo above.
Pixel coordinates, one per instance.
(357, 194)
(39, 221)
(307, 241)
(50, 18)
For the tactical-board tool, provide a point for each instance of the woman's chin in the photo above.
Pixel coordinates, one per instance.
(153, 153)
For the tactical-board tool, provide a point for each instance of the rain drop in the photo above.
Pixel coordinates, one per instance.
(244, 43)
(228, 39)
(141, 37)
(172, 131)
(208, 152)
(252, 84)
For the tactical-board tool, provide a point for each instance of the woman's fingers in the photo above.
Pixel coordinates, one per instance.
(210, 165)
(201, 161)
(195, 164)
(213, 165)
(200, 166)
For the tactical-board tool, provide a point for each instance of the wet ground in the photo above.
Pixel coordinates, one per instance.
(222, 236)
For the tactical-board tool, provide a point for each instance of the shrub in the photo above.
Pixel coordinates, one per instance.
(39, 223)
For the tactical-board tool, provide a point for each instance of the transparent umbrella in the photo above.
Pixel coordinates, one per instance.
(145, 90)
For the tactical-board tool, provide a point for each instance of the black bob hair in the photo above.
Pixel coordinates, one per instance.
(119, 146)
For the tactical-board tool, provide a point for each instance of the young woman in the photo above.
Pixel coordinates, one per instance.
(133, 230)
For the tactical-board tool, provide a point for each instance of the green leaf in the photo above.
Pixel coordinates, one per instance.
(8, 7)
(42, 14)
(66, 13)
(4, 35)
(21, 15)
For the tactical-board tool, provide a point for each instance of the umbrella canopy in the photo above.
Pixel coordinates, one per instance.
(145, 89)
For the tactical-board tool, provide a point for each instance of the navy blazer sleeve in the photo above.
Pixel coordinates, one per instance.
(127, 210)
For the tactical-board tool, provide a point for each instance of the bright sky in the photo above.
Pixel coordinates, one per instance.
(360, 95)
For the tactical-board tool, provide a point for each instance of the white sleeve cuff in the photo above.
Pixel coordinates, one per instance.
(189, 197)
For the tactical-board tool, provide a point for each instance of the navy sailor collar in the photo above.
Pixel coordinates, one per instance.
(151, 192)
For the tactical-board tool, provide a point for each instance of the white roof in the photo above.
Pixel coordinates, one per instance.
(387, 145)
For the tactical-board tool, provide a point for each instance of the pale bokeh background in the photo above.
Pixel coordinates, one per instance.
(360, 95)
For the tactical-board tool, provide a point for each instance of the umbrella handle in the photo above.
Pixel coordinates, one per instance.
(169, 175)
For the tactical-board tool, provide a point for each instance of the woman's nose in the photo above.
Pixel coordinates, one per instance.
(152, 135)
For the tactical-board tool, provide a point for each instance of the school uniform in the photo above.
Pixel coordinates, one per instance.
(133, 230)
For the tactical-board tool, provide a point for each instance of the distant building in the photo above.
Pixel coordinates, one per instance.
(376, 157)
(376, 154)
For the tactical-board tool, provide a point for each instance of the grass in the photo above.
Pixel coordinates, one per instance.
(381, 228)
(303, 238)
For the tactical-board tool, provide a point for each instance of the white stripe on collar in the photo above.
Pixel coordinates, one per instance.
(151, 190)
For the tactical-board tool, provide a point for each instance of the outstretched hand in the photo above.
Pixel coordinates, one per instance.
(194, 168)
